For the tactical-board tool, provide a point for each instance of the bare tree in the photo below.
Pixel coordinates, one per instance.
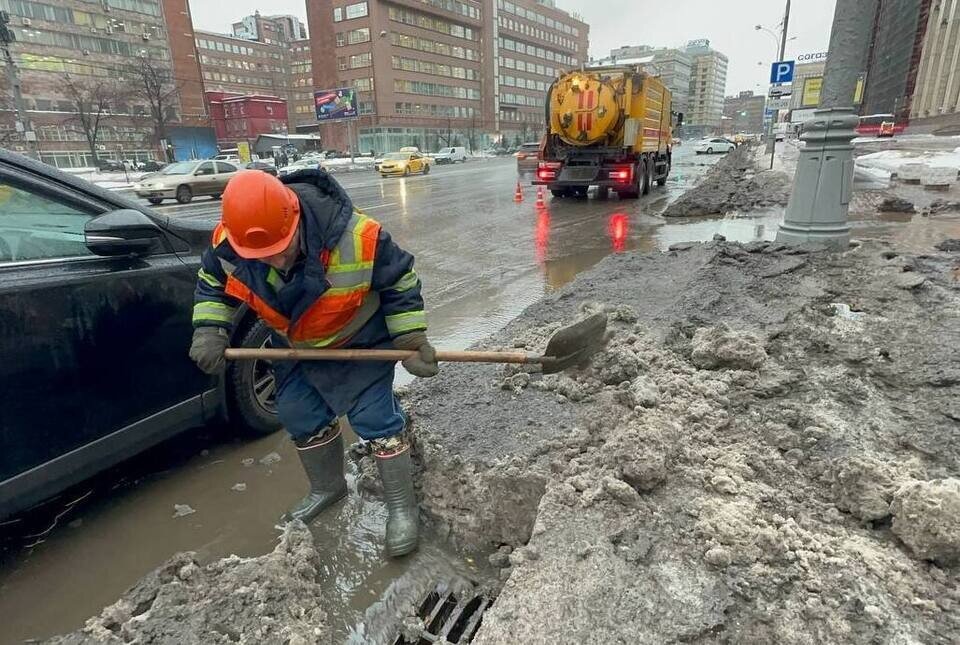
(155, 85)
(92, 99)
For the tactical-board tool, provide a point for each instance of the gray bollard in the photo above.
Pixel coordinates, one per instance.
(818, 206)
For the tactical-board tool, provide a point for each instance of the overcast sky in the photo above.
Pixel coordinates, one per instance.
(728, 24)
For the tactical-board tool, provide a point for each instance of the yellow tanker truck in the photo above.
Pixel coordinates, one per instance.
(608, 127)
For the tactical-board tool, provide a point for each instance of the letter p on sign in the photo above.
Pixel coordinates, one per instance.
(782, 72)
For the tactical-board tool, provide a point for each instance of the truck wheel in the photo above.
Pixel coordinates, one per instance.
(647, 177)
(558, 192)
(580, 192)
(603, 192)
(251, 388)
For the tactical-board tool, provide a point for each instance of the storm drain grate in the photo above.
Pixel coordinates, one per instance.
(449, 617)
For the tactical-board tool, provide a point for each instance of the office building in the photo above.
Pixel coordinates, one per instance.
(441, 72)
(708, 82)
(895, 53)
(808, 81)
(97, 48)
(936, 97)
(673, 66)
(743, 114)
(272, 30)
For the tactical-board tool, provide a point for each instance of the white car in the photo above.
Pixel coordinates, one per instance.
(451, 155)
(710, 146)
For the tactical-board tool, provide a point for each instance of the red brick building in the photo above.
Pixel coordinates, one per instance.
(244, 117)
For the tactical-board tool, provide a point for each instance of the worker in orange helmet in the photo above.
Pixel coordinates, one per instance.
(321, 274)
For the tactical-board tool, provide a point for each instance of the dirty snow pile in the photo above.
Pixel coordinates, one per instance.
(273, 598)
(735, 183)
(757, 457)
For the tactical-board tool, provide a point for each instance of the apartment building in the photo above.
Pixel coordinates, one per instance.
(244, 117)
(708, 82)
(89, 43)
(936, 99)
(433, 73)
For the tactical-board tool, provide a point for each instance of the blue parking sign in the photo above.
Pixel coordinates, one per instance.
(782, 72)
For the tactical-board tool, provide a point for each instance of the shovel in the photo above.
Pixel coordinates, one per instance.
(569, 346)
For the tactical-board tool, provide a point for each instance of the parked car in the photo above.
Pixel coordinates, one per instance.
(227, 156)
(451, 155)
(710, 146)
(268, 168)
(110, 165)
(96, 297)
(528, 156)
(185, 180)
(152, 166)
(403, 164)
(313, 164)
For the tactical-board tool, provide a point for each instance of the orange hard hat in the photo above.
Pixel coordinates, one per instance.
(260, 214)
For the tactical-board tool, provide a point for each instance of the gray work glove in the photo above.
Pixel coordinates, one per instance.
(207, 348)
(424, 362)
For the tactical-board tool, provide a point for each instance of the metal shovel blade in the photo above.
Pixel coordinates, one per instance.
(571, 345)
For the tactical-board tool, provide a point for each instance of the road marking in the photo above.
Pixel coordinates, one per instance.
(370, 208)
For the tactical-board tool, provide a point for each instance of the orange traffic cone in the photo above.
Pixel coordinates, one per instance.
(540, 203)
(518, 196)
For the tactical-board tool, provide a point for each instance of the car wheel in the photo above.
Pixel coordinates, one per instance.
(154, 200)
(252, 387)
(603, 192)
(709, 151)
(184, 194)
(426, 169)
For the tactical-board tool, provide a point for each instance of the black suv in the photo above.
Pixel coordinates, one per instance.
(96, 296)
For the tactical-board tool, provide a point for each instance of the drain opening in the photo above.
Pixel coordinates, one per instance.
(448, 617)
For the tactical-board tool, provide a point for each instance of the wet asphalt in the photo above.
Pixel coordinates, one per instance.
(482, 258)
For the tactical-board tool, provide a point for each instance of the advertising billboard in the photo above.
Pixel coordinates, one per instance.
(811, 91)
(340, 103)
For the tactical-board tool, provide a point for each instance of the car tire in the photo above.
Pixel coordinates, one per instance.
(709, 151)
(184, 194)
(251, 387)
(156, 201)
(603, 192)
(426, 169)
(406, 171)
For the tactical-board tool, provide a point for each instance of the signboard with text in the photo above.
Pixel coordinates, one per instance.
(812, 87)
(340, 103)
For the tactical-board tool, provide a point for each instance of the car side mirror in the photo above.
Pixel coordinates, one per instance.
(123, 232)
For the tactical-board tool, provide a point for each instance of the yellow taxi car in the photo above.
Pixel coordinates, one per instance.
(403, 164)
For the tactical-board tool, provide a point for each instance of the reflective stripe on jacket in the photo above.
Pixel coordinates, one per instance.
(337, 312)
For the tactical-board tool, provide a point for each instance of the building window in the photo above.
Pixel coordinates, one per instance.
(337, 14)
(358, 36)
(341, 40)
(358, 10)
(363, 84)
(341, 63)
(361, 60)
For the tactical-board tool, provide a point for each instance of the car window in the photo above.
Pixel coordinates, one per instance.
(36, 226)
(414, 156)
(222, 166)
(205, 168)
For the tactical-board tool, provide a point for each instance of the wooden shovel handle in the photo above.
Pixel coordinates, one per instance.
(275, 354)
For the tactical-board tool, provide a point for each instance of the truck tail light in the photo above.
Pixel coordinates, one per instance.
(547, 170)
(622, 175)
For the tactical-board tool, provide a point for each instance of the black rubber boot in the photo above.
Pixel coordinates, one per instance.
(403, 525)
(322, 459)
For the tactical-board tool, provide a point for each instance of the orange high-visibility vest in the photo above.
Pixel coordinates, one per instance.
(343, 308)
